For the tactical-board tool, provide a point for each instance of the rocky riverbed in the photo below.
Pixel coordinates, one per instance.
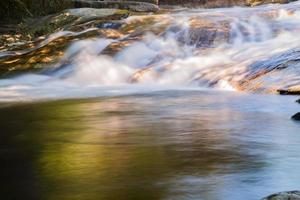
(197, 34)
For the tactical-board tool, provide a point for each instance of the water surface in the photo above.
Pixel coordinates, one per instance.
(158, 145)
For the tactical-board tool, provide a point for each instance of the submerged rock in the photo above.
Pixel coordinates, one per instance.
(297, 118)
(291, 195)
(298, 101)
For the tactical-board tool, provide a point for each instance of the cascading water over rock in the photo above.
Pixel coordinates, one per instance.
(240, 49)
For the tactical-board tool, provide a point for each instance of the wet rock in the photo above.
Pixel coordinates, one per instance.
(136, 29)
(297, 118)
(291, 195)
(298, 101)
(276, 74)
(46, 51)
(42, 41)
(204, 32)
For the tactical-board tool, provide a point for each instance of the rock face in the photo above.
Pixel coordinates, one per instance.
(292, 195)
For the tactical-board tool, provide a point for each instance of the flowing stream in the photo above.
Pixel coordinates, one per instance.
(181, 105)
(242, 49)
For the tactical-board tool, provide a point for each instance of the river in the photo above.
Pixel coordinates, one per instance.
(158, 145)
(176, 113)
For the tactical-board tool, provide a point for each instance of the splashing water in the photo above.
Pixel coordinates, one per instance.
(229, 48)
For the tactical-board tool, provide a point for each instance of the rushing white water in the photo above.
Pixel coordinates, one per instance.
(214, 48)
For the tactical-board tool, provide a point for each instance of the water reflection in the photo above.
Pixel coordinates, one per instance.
(165, 145)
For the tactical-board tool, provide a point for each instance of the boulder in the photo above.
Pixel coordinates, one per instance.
(291, 195)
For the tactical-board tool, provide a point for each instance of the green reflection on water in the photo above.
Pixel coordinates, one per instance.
(109, 149)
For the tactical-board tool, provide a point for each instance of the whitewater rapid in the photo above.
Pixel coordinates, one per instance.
(250, 43)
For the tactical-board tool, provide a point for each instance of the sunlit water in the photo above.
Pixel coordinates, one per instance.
(158, 145)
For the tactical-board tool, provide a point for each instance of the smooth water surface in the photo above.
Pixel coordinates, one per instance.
(159, 145)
